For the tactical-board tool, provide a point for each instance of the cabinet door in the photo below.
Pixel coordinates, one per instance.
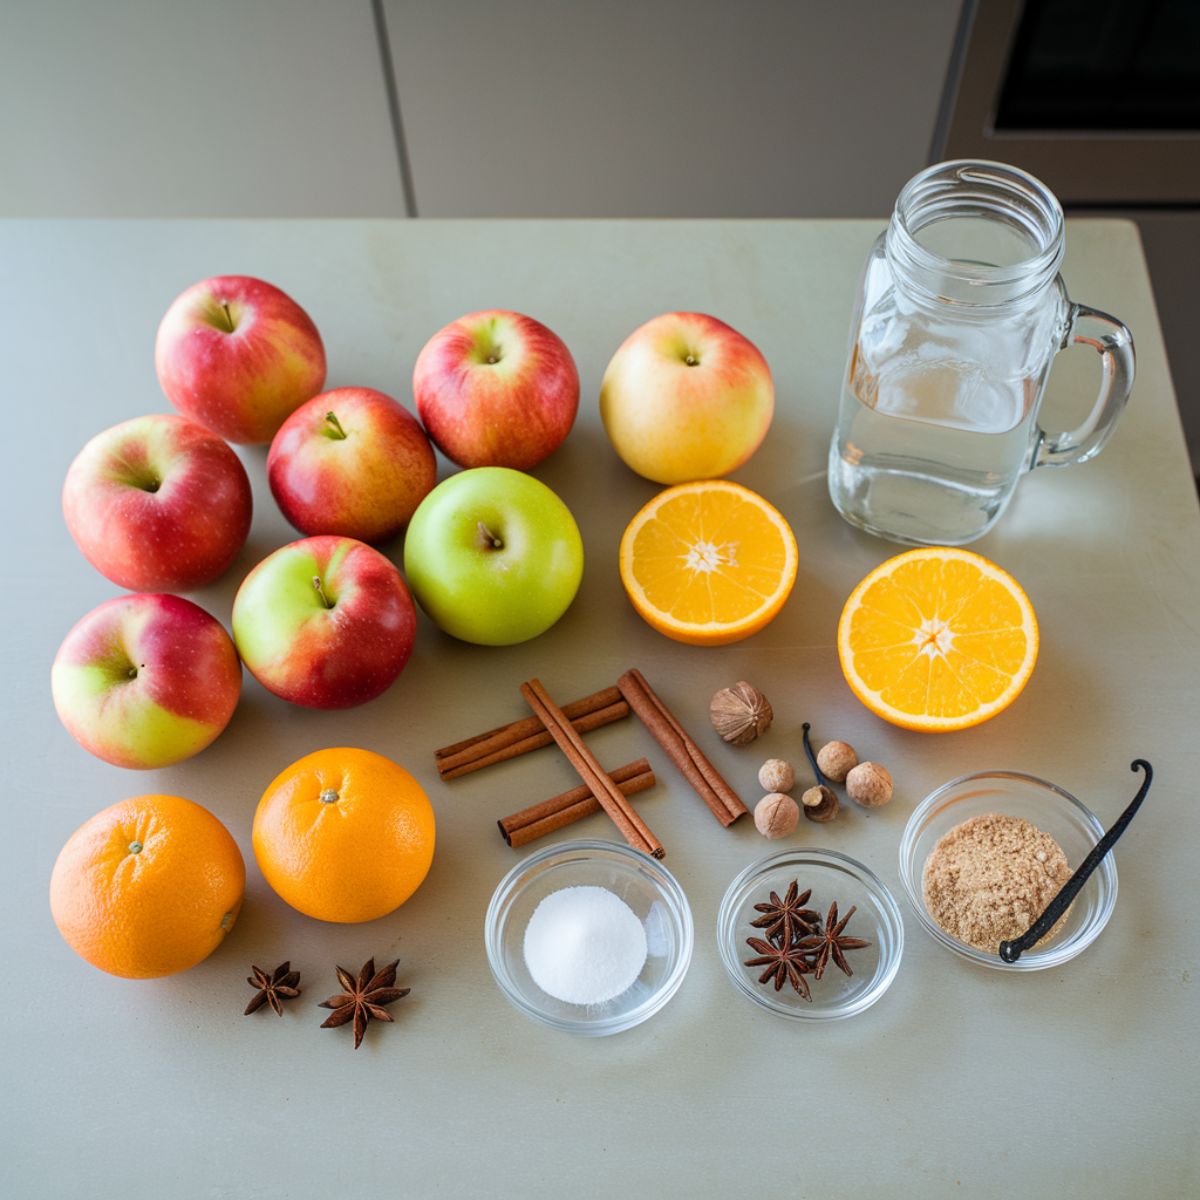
(221, 108)
(667, 107)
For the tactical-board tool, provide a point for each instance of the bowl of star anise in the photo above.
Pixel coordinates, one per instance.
(810, 934)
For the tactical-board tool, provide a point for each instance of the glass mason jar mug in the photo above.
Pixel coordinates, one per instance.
(960, 313)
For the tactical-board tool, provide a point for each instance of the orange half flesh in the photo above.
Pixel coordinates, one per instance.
(708, 563)
(937, 639)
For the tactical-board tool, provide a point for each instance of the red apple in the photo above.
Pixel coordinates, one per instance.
(496, 389)
(239, 356)
(326, 622)
(158, 504)
(146, 681)
(352, 462)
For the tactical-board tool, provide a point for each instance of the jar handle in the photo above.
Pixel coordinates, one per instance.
(1114, 343)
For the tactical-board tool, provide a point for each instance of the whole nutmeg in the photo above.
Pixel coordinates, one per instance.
(820, 804)
(776, 815)
(869, 784)
(776, 775)
(836, 760)
(740, 713)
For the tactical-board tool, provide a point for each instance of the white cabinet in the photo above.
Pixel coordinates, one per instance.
(523, 108)
(160, 108)
(667, 108)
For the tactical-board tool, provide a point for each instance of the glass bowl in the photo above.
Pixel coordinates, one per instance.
(642, 882)
(1056, 812)
(831, 876)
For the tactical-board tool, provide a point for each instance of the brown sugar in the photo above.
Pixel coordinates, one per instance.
(991, 877)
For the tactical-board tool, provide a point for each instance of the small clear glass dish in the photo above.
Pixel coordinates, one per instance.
(831, 876)
(642, 882)
(1054, 811)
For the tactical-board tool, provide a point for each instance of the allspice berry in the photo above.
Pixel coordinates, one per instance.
(820, 804)
(740, 713)
(836, 760)
(776, 815)
(776, 775)
(869, 784)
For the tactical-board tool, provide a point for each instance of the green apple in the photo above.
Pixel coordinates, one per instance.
(493, 556)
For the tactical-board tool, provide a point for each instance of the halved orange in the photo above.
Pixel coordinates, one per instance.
(708, 563)
(937, 639)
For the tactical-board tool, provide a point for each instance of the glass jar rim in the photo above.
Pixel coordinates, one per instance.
(976, 187)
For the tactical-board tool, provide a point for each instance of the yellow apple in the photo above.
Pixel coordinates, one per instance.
(686, 397)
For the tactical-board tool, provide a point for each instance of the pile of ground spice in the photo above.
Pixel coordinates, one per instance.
(991, 877)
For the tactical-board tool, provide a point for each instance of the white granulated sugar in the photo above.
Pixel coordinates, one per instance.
(658, 931)
(584, 945)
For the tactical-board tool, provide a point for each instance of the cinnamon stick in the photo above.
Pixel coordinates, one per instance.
(527, 725)
(723, 802)
(632, 827)
(568, 807)
(520, 737)
(460, 764)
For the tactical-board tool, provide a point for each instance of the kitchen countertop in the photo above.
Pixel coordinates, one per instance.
(1079, 1081)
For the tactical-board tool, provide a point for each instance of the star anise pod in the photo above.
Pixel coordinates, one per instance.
(787, 919)
(832, 943)
(363, 998)
(783, 962)
(273, 989)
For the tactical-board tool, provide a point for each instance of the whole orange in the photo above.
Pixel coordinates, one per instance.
(147, 887)
(344, 835)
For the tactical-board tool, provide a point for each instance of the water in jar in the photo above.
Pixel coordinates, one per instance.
(936, 417)
(930, 446)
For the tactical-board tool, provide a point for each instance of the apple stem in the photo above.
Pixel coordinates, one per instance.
(488, 538)
(321, 591)
(691, 360)
(337, 431)
(228, 315)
